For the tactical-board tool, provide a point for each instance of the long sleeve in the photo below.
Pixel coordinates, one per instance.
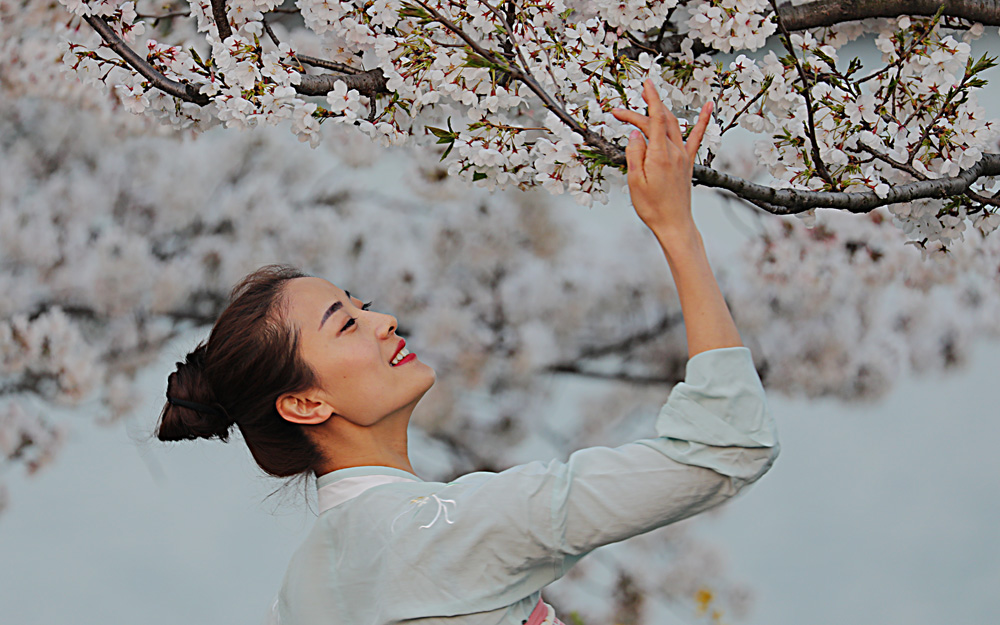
(490, 541)
(716, 435)
(525, 527)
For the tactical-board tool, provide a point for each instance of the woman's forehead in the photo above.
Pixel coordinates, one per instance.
(305, 295)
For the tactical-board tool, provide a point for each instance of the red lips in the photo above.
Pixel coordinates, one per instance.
(399, 348)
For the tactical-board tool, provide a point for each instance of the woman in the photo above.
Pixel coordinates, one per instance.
(317, 382)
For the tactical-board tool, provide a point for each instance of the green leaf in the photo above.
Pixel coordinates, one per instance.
(854, 66)
(414, 10)
(825, 57)
(598, 160)
(197, 58)
(447, 151)
(443, 135)
(984, 63)
(475, 60)
(478, 175)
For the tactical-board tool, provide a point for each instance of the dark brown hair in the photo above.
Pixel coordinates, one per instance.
(250, 359)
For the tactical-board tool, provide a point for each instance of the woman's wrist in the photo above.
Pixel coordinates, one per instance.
(677, 236)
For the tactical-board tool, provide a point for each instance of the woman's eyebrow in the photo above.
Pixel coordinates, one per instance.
(334, 307)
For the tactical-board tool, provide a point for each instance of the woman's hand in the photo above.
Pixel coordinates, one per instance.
(659, 174)
(659, 179)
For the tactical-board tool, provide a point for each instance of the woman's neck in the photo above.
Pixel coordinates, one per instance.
(344, 444)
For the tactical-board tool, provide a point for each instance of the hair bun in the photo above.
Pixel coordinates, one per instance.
(192, 410)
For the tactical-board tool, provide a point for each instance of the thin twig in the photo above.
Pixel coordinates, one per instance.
(885, 158)
(303, 59)
(904, 55)
(311, 60)
(163, 16)
(786, 39)
(184, 91)
(929, 127)
(271, 35)
(515, 72)
(992, 201)
(635, 42)
(663, 29)
(735, 119)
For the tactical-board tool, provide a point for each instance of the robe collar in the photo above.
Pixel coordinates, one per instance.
(336, 487)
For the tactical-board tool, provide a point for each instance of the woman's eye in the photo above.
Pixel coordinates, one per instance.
(351, 321)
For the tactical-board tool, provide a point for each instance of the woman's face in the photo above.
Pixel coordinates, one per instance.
(350, 350)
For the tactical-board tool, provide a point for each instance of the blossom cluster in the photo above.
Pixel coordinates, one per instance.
(519, 94)
(916, 118)
(732, 24)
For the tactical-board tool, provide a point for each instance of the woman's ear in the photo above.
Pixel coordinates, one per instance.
(303, 408)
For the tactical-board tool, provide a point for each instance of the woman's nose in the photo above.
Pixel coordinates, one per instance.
(387, 325)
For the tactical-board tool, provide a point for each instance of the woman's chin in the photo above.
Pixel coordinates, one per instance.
(431, 379)
(431, 374)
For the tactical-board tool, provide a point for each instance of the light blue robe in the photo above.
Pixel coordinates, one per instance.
(389, 547)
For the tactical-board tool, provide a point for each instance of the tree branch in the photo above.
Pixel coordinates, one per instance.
(221, 19)
(630, 341)
(184, 91)
(792, 201)
(164, 16)
(885, 158)
(325, 64)
(310, 60)
(776, 201)
(831, 12)
(369, 83)
(786, 39)
(772, 200)
(592, 138)
(618, 376)
(621, 346)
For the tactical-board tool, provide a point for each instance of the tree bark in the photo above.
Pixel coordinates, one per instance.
(792, 201)
(221, 19)
(369, 83)
(830, 12)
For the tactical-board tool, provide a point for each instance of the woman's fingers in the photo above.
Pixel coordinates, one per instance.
(635, 156)
(662, 123)
(673, 128)
(698, 132)
(659, 125)
(631, 117)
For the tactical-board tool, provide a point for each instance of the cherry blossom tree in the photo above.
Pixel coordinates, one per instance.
(521, 92)
(119, 234)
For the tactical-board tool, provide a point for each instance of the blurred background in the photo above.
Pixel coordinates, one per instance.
(551, 327)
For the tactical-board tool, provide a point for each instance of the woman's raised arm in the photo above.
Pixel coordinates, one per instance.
(659, 180)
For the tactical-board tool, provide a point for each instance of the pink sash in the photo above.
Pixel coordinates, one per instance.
(543, 614)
